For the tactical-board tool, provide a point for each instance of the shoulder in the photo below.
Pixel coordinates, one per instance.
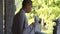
(20, 15)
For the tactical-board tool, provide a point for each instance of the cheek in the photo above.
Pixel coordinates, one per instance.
(29, 8)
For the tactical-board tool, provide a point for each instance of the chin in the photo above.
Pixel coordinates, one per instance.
(28, 12)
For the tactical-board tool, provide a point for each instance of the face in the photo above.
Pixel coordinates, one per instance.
(28, 7)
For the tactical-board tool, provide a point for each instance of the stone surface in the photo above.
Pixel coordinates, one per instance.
(10, 12)
(1, 16)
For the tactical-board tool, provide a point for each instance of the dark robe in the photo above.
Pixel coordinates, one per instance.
(20, 23)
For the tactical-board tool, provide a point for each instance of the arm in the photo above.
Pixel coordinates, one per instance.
(17, 26)
(28, 30)
(21, 22)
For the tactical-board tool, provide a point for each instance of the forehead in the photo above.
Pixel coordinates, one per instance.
(29, 4)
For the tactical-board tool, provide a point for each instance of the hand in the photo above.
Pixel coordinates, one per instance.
(33, 24)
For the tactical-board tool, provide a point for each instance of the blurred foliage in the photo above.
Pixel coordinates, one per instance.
(48, 10)
(18, 4)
